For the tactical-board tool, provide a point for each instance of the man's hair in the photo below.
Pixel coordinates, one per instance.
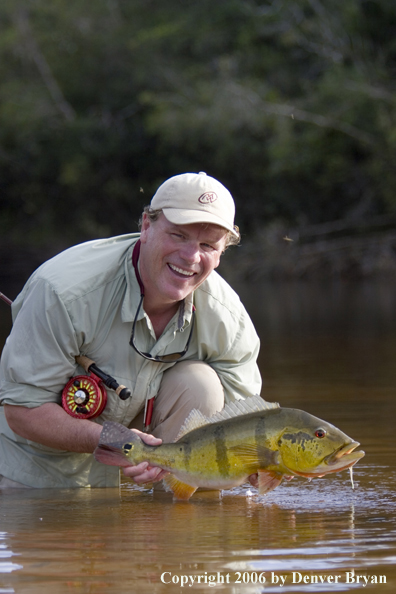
(154, 213)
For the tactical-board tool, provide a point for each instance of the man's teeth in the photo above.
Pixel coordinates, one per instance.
(180, 270)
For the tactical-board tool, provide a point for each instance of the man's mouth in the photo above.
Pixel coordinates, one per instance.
(185, 273)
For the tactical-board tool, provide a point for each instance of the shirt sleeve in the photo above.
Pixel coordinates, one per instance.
(38, 357)
(237, 366)
(227, 340)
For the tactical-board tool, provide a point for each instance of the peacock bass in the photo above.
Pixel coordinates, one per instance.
(246, 437)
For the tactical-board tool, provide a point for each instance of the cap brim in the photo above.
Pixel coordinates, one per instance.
(179, 216)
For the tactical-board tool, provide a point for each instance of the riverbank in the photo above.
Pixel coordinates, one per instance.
(340, 249)
(329, 251)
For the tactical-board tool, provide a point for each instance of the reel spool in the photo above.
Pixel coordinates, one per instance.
(84, 397)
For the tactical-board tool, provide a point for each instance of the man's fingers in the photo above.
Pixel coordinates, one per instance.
(148, 438)
(133, 471)
(161, 475)
(143, 473)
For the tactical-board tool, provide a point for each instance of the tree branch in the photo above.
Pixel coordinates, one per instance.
(21, 19)
(283, 109)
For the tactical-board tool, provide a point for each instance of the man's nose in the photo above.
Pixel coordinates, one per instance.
(190, 252)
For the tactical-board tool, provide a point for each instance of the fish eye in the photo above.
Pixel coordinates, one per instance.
(320, 433)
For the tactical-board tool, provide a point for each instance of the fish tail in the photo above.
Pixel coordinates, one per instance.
(116, 444)
(112, 456)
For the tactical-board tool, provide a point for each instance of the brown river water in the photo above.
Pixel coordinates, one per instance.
(328, 349)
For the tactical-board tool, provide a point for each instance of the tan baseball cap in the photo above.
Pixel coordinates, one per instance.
(195, 198)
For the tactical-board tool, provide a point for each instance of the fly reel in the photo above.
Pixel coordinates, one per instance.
(84, 397)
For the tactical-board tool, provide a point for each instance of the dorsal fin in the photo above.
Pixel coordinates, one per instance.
(235, 409)
(242, 407)
(194, 420)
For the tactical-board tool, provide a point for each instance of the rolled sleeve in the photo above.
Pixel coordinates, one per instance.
(38, 357)
(226, 339)
(237, 368)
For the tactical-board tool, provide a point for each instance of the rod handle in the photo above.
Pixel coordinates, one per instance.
(85, 362)
(90, 366)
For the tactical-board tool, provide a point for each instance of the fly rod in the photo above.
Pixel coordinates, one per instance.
(5, 299)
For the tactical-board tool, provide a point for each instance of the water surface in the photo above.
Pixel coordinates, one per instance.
(327, 349)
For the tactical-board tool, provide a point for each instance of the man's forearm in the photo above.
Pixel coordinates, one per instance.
(51, 426)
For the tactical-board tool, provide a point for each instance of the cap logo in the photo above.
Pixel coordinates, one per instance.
(208, 198)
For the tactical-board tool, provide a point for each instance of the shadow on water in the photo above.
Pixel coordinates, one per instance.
(326, 349)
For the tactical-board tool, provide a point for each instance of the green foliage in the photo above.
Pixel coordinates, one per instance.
(290, 103)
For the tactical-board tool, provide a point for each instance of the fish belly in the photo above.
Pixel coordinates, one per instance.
(209, 482)
(201, 463)
(210, 456)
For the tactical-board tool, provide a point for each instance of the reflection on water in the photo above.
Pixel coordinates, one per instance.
(326, 350)
(105, 541)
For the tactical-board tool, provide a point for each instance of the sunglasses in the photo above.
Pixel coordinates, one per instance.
(171, 357)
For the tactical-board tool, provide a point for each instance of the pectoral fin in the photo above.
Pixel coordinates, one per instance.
(255, 457)
(268, 480)
(180, 490)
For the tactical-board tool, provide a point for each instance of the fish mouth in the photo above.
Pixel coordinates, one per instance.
(343, 458)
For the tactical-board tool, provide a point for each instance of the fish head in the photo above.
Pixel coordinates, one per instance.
(311, 447)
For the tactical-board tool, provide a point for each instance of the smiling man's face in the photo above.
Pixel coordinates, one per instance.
(176, 259)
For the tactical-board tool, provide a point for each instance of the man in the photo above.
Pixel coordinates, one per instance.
(127, 303)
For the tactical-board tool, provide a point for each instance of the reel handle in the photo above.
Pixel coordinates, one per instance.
(90, 366)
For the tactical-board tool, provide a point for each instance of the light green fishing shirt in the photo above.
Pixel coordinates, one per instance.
(83, 301)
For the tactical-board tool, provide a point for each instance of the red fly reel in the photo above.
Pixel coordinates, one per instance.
(84, 397)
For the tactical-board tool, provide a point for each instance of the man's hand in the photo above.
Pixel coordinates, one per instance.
(143, 472)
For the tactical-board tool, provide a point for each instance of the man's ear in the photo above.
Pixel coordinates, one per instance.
(144, 227)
